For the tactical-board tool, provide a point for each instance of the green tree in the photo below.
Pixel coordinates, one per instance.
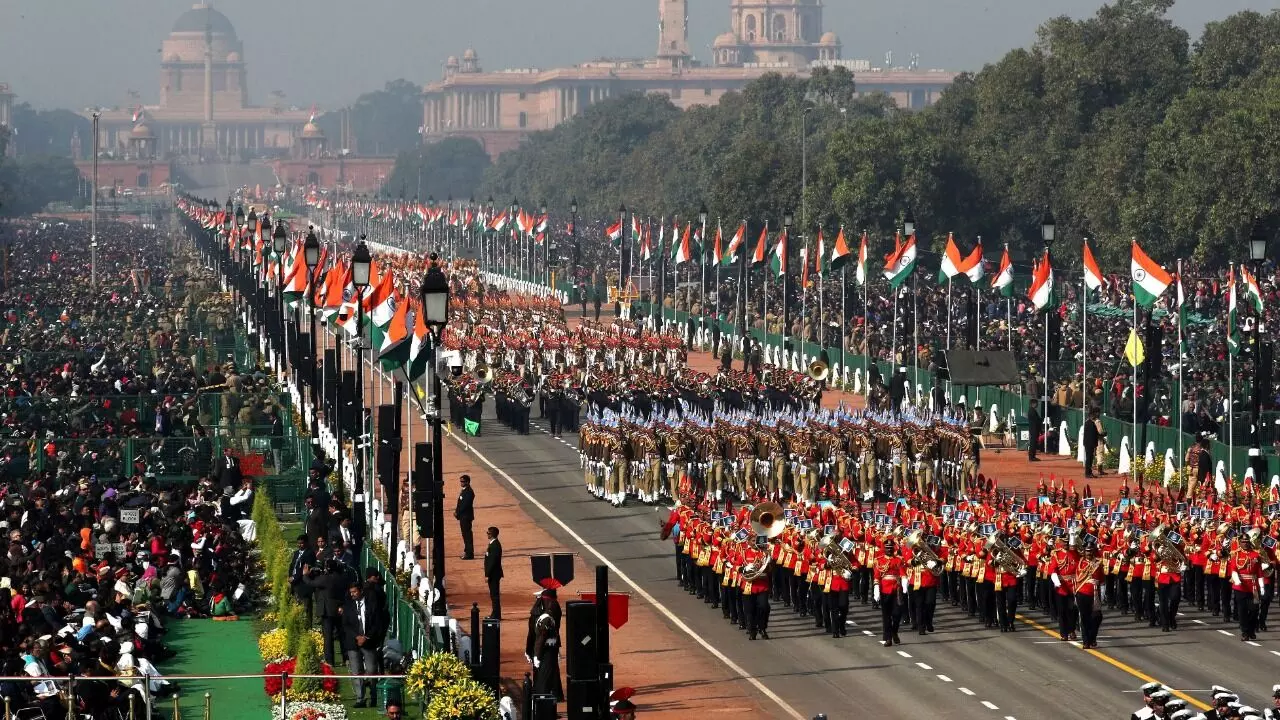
(29, 183)
(49, 132)
(452, 167)
(382, 122)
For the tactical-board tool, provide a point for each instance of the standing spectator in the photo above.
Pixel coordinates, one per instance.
(493, 571)
(229, 470)
(299, 565)
(465, 514)
(277, 438)
(1034, 428)
(362, 636)
(1093, 436)
(327, 588)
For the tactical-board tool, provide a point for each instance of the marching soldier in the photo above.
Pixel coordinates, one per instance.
(1088, 593)
(889, 576)
(551, 403)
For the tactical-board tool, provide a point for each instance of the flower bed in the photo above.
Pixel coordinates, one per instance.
(311, 711)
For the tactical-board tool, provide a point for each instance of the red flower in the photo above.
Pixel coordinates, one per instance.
(272, 684)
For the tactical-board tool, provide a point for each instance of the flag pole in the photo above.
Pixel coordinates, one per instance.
(822, 306)
(948, 387)
(1231, 379)
(719, 261)
(1084, 363)
(915, 334)
(1178, 411)
(1133, 390)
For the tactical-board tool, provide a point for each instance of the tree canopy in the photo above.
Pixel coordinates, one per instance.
(382, 122)
(453, 167)
(1117, 122)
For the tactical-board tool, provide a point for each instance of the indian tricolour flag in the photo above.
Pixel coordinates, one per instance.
(735, 244)
(778, 259)
(1041, 291)
(1252, 291)
(839, 251)
(758, 257)
(1092, 274)
(683, 249)
(1149, 279)
(953, 264)
(1003, 281)
(861, 273)
(898, 266)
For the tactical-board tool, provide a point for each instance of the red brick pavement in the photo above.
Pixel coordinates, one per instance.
(674, 678)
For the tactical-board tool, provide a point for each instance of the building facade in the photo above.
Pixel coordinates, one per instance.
(6, 112)
(204, 109)
(500, 108)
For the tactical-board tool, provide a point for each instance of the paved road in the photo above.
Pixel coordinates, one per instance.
(962, 671)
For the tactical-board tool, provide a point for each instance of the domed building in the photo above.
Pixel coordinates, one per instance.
(204, 109)
(500, 108)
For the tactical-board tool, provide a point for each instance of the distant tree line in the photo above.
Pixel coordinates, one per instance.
(1116, 122)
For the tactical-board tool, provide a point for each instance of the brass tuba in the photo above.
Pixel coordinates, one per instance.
(818, 371)
(1006, 558)
(921, 554)
(483, 374)
(1166, 550)
(767, 520)
(837, 561)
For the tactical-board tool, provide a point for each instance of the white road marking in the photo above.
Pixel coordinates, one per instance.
(966, 691)
(1010, 717)
(944, 678)
(1199, 622)
(922, 666)
(1276, 653)
(1250, 642)
(1224, 632)
(866, 632)
(904, 654)
(671, 616)
(990, 705)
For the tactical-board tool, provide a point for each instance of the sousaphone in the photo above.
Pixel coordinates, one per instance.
(767, 520)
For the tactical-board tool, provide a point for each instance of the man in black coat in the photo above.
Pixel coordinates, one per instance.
(363, 632)
(493, 571)
(327, 589)
(1035, 426)
(304, 558)
(1093, 435)
(465, 514)
(317, 522)
(229, 469)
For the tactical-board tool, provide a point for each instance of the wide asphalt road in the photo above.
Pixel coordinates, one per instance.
(962, 671)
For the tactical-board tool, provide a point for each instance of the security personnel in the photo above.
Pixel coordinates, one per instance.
(551, 401)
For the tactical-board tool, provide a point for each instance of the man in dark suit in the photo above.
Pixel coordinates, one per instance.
(229, 470)
(327, 588)
(317, 523)
(493, 571)
(1093, 434)
(1035, 426)
(363, 632)
(304, 558)
(465, 514)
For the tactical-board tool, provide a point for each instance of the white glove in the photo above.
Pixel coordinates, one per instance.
(528, 659)
(1057, 581)
(536, 663)
(875, 594)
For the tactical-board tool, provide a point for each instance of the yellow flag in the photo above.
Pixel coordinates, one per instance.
(1133, 350)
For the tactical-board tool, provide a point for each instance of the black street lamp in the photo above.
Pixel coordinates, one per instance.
(702, 261)
(1257, 254)
(361, 264)
(435, 309)
(280, 243)
(311, 256)
(1048, 233)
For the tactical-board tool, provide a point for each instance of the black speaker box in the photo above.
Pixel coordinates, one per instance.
(580, 642)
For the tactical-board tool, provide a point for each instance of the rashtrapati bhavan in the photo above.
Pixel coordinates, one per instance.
(204, 108)
(500, 108)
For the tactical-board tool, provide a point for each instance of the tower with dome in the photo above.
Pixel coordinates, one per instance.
(203, 107)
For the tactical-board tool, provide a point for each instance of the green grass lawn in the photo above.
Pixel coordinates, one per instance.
(206, 647)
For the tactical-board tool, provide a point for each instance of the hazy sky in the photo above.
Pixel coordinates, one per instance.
(77, 53)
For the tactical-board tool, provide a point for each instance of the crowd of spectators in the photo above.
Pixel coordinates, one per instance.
(104, 550)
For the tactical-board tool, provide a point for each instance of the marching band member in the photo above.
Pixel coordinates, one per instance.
(890, 590)
(1088, 592)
